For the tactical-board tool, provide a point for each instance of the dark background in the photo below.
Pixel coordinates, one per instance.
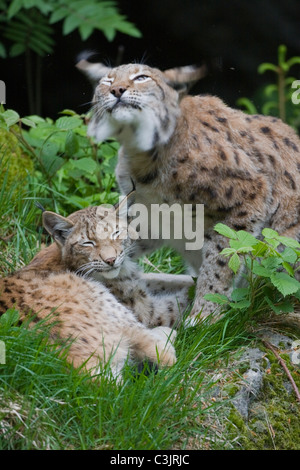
(232, 36)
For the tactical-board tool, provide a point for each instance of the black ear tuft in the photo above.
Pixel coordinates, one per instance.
(57, 226)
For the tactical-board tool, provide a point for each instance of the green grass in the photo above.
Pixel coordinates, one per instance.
(47, 404)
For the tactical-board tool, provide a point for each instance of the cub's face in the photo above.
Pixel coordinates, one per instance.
(94, 239)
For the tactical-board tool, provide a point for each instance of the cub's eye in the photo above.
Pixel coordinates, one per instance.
(142, 78)
(115, 235)
(88, 243)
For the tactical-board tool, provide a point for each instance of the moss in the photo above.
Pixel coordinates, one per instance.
(15, 164)
(274, 418)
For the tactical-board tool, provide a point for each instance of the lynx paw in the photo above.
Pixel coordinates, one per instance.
(165, 337)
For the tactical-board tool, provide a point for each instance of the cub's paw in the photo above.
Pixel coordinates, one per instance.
(164, 338)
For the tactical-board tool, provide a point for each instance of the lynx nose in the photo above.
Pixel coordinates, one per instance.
(110, 261)
(118, 91)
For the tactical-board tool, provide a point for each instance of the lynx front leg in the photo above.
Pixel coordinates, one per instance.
(214, 276)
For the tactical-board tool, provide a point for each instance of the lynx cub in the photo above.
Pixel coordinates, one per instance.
(196, 150)
(97, 294)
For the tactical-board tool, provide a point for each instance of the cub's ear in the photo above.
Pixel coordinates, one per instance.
(183, 78)
(57, 226)
(94, 72)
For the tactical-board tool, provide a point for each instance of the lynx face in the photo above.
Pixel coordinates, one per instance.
(96, 239)
(136, 103)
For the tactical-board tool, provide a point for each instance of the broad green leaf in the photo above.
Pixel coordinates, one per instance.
(10, 317)
(51, 164)
(85, 31)
(225, 231)
(58, 14)
(260, 248)
(87, 164)
(288, 268)
(28, 122)
(290, 242)
(35, 118)
(228, 251)
(71, 22)
(71, 145)
(246, 238)
(239, 293)
(217, 298)
(50, 149)
(260, 270)
(269, 233)
(284, 283)
(14, 7)
(10, 117)
(241, 304)
(234, 263)
(289, 255)
(68, 123)
(283, 307)
(271, 263)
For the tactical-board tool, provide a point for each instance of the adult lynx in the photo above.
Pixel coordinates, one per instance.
(196, 150)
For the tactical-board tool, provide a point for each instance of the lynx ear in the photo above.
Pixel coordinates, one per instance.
(94, 72)
(121, 208)
(57, 226)
(183, 78)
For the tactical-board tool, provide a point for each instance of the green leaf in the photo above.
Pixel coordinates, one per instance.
(246, 238)
(260, 249)
(28, 122)
(271, 263)
(284, 283)
(269, 233)
(241, 304)
(228, 251)
(283, 307)
(267, 66)
(17, 49)
(225, 231)
(58, 14)
(239, 293)
(290, 242)
(288, 268)
(217, 298)
(234, 263)
(9, 318)
(72, 144)
(68, 123)
(14, 7)
(71, 22)
(289, 255)
(87, 164)
(10, 117)
(260, 270)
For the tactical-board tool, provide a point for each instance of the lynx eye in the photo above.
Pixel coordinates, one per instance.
(107, 81)
(142, 78)
(88, 243)
(115, 235)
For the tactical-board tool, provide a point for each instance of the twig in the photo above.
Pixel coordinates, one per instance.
(283, 364)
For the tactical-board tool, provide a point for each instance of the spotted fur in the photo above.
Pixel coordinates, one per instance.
(96, 293)
(244, 169)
